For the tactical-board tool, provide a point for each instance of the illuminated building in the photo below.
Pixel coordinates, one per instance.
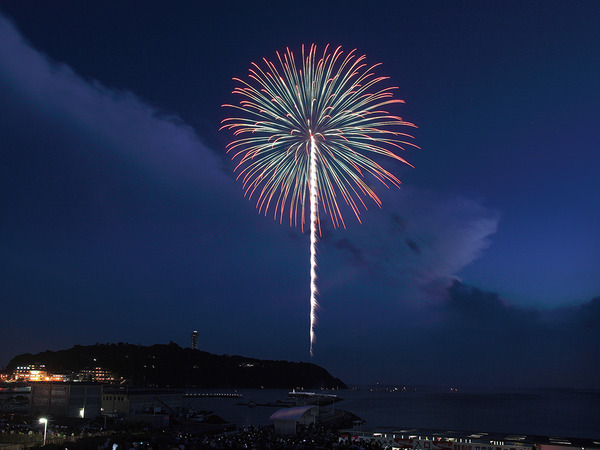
(65, 377)
(32, 372)
(97, 374)
(195, 340)
(38, 372)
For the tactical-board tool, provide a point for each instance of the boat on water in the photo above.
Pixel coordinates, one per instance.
(313, 398)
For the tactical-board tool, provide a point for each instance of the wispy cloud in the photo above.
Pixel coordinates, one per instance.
(102, 118)
(419, 241)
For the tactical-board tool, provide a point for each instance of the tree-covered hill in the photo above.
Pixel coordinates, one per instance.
(172, 365)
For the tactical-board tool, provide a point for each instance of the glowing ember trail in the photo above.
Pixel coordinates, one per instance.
(313, 241)
(307, 135)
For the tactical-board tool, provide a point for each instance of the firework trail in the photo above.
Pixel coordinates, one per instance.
(313, 241)
(307, 133)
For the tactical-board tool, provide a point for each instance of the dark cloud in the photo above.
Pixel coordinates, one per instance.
(412, 245)
(524, 345)
(469, 337)
(589, 314)
(354, 254)
(471, 304)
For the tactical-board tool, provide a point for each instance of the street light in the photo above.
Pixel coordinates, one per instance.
(45, 422)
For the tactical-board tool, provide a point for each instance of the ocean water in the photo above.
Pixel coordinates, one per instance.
(544, 412)
(564, 413)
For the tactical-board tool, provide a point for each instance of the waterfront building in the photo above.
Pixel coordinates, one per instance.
(128, 402)
(286, 419)
(427, 439)
(66, 399)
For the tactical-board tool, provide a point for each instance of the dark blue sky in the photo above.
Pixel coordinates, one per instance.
(123, 221)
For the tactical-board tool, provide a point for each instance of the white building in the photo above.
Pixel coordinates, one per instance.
(286, 419)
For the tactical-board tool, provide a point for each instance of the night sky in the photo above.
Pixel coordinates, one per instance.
(122, 220)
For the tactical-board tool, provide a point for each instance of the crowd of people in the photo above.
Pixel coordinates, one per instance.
(308, 437)
(129, 436)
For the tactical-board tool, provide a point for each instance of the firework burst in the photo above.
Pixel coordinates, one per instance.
(306, 135)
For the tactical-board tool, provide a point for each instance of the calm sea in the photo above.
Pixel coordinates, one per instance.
(545, 412)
